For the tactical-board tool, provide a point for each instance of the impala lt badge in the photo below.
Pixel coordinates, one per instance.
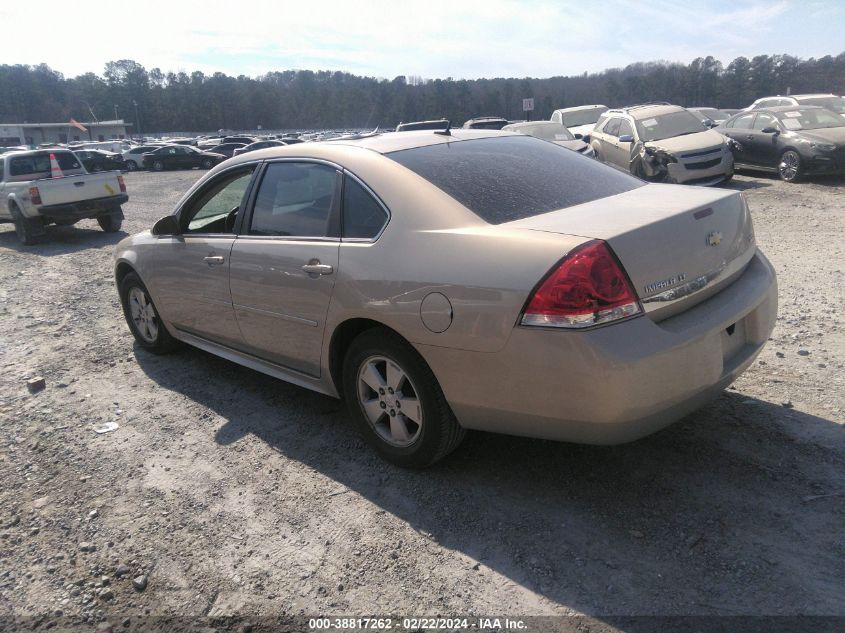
(663, 284)
(714, 238)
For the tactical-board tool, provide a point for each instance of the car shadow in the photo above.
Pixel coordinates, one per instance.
(742, 184)
(732, 510)
(60, 240)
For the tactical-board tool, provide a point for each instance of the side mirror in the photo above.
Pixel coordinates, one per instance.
(585, 138)
(626, 138)
(770, 130)
(578, 136)
(168, 225)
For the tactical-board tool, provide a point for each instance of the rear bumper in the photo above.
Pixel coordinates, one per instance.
(612, 384)
(83, 209)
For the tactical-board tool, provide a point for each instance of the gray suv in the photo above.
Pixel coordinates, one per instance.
(662, 143)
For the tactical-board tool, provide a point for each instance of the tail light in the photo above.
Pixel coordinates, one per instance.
(588, 287)
(35, 195)
(122, 184)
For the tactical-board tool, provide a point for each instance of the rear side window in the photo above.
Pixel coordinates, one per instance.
(513, 177)
(40, 163)
(744, 122)
(363, 217)
(612, 127)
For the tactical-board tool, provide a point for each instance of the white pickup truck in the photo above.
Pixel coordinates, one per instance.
(31, 198)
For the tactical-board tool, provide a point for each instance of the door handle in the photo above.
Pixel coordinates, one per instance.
(314, 267)
(213, 260)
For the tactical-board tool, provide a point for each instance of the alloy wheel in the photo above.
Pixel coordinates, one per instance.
(389, 401)
(143, 314)
(790, 163)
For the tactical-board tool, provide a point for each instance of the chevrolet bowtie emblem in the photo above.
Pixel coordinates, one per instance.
(714, 238)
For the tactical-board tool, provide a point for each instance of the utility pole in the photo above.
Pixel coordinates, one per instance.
(115, 112)
(137, 120)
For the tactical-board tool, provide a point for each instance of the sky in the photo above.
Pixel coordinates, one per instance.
(433, 39)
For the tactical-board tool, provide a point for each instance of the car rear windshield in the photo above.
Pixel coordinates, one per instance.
(513, 177)
(40, 163)
(582, 117)
(837, 104)
(545, 130)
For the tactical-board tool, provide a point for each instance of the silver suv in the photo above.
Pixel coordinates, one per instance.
(662, 143)
(829, 101)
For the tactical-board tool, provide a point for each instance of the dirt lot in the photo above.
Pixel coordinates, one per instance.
(233, 493)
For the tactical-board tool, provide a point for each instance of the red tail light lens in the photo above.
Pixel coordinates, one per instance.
(589, 287)
(35, 195)
(122, 184)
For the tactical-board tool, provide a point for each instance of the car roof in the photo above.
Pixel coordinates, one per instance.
(378, 143)
(787, 108)
(521, 124)
(581, 107)
(646, 110)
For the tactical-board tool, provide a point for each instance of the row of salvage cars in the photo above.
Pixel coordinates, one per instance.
(444, 280)
(795, 136)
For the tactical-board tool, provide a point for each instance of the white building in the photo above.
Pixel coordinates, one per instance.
(13, 134)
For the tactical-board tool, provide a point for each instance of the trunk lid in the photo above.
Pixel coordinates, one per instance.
(77, 188)
(679, 245)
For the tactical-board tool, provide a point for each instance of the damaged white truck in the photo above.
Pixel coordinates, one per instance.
(43, 187)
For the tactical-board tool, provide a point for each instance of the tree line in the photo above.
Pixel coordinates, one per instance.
(304, 99)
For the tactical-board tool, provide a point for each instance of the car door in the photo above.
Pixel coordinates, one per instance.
(622, 149)
(740, 130)
(284, 262)
(763, 146)
(191, 275)
(608, 140)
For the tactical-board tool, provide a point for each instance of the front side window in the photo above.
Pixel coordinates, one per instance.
(744, 122)
(764, 121)
(216, 208)
(363, 216)
(611, 128)
(295, 199)
(625, 128)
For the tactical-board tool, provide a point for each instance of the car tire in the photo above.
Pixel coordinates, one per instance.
(131, 165)
(29, 230)
(789, 166)
(380, 358)
(96, 168)
(110, 223)
(142, 317)
(207, 163)
(158, 165)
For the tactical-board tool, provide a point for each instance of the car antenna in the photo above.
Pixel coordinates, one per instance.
(445, 132)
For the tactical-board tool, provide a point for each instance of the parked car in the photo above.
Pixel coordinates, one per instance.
(711, 117)
(480, 280)
(662, 143)
(291, 140)
(135, 157)
(180, 157)
(829, 101)
(579, 119)
(486, 123)
(245, 140)
(45, 187)
(115, 147)
(551, 131)
(95, 160)
(793, 141)
(258, 145)
(436, 124)
(227, 149)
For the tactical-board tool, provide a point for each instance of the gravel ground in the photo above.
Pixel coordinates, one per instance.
(233, 493)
